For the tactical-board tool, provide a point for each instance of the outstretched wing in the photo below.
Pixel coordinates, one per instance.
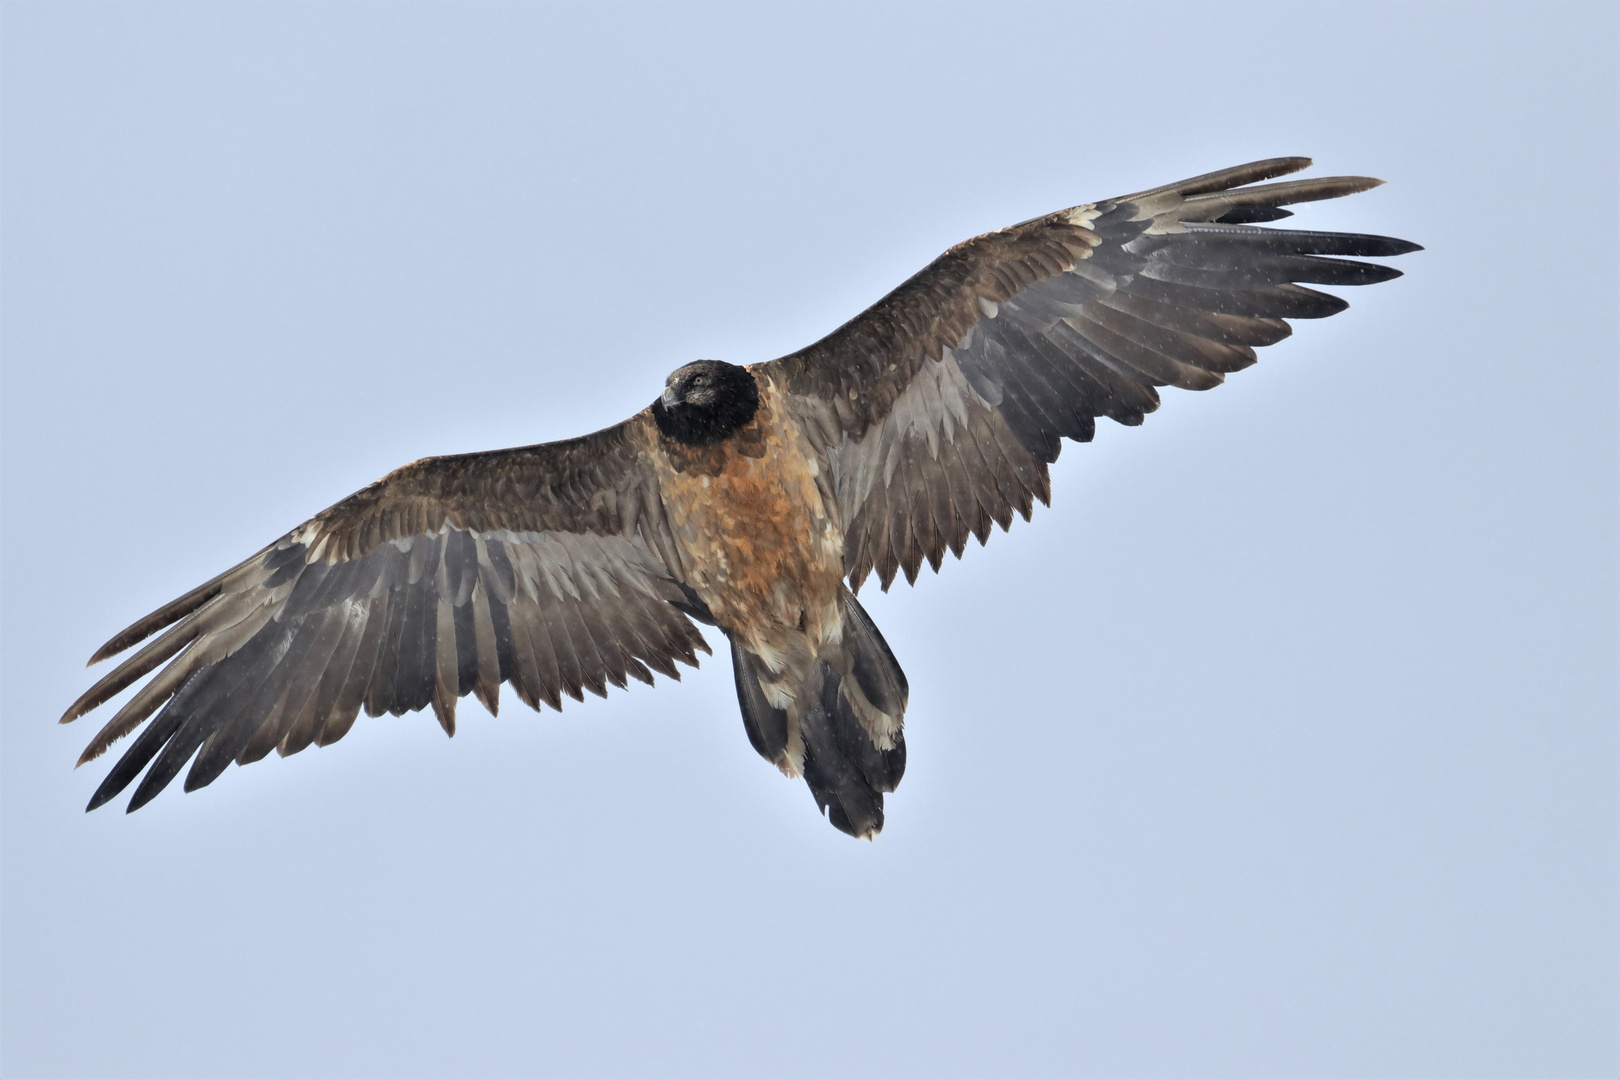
(940, 407)
(545, 566)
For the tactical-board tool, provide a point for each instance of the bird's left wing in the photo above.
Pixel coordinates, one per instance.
(939, 408)
(547, 566)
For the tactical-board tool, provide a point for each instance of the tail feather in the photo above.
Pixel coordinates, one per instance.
(767, 726)
(846, 773)
(841, 729)
(873, 665)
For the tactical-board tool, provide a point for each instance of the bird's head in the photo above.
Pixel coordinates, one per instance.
(705, 401)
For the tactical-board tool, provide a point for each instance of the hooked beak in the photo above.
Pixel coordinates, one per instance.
(669, 399)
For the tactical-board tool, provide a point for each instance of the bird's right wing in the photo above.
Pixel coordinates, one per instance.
(548, 567)
(940, 407)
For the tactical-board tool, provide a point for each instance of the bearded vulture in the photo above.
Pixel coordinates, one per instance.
(755, 499)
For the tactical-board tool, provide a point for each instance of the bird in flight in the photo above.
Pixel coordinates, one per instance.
(756, 499)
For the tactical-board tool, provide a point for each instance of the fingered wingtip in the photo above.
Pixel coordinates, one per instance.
(106, 652)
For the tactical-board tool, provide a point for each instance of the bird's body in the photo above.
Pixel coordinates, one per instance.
(757, 499)
(758, 540)
(761, 544)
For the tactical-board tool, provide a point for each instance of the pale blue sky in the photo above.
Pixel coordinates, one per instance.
(1283, 744)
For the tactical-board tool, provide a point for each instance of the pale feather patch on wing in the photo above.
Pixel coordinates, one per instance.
(931, 409)
(943, 426)
(1082, 215)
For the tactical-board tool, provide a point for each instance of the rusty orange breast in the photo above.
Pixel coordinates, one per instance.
(758, 543)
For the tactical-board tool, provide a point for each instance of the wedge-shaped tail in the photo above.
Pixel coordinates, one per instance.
(842, 730)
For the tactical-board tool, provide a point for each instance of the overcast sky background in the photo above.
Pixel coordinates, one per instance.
(1283, 744)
